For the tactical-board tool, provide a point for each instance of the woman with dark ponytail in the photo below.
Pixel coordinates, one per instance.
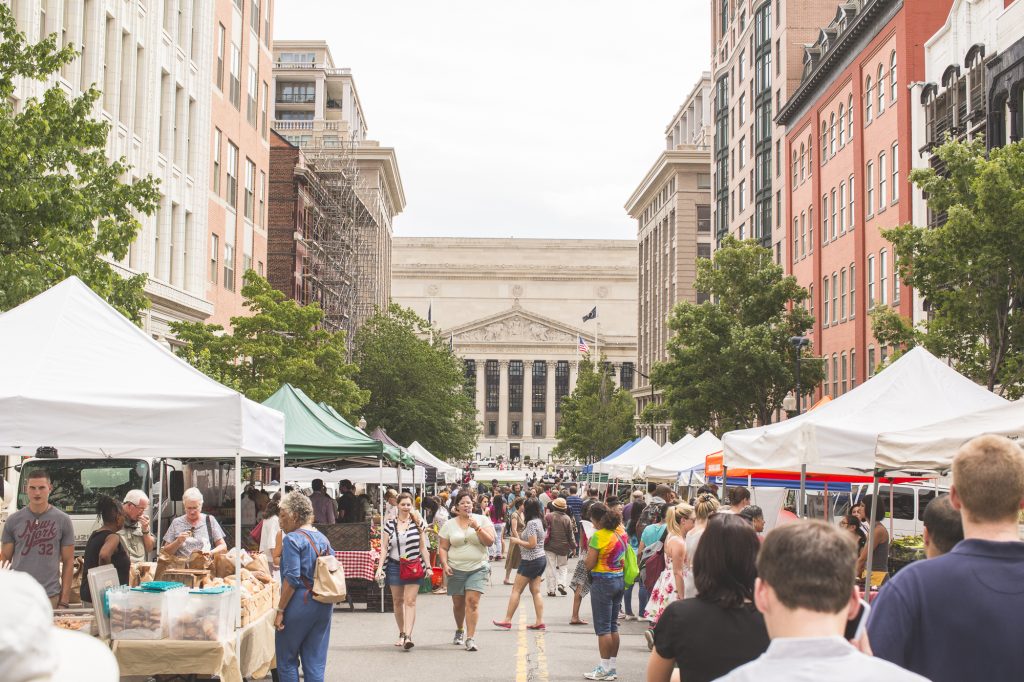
(104, 545)
(606, 558)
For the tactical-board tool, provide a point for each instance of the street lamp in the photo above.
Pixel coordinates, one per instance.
(799, 343)
(362, 423)
(650, 411)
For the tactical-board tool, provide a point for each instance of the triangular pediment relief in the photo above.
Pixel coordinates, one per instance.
(515, 325)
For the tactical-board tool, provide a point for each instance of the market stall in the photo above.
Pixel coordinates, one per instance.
(77, 376)
(631, 464)
(449, 473)
(683, 457)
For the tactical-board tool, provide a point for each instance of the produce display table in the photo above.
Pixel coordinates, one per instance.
(360, 565)
(254, 656)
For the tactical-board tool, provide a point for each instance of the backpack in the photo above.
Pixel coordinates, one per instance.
(328, 577)
(652, 562)
(649, 515)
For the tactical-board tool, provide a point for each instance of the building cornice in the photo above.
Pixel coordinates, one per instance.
(387, 161)
(459, 271)
(823, 74)
(448, 243)
(669, 162)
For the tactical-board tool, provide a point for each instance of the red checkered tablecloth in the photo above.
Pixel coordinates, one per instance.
(361, 564)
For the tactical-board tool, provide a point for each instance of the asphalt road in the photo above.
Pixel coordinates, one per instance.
(362, 644)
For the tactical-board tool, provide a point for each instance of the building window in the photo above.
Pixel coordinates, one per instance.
(263, 110)
(235, 94)
(853, 369)
(825, 300)
(849, 209)
(794, 168)
(810, 298)
(216, 161)
(261, 216)
(871, 281)
(835, 375)
(868, 94)
(832, 134)
(803, 154)
(842, 208)
(824, 381)
(515, 386)
(492, 378)
(469, 374)
(232, 176)
(824, 142)
(221, 46)
(743, 194)
(704, 218)
(883, 277)
(254, 16)
(538, 429)
(895, 171)
(229, 265)
(540, 386)
(892, 76)
(626, 375)
(833, 194)
(849, 119)
(842, 373)
(214, 256)
(250, 188)
(252, 95)
(561, 383)
(796, 239)
(515, 427)
(824, 218)
(853, 292)
(842, 294)
(842, 127)
(492, 428)
(835, 298)
(871, 361)
(869, 183)
(803, 234)
(883, 180)
(881, 89)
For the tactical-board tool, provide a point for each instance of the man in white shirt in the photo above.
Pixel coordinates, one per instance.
(805, 589)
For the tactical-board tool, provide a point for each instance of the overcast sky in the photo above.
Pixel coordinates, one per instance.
(535, 118)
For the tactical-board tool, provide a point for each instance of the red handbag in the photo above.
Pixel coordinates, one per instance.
(409, 569)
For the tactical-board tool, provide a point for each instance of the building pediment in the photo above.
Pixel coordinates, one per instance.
(515, 326)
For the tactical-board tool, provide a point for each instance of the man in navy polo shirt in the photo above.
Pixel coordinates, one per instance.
(960, 616)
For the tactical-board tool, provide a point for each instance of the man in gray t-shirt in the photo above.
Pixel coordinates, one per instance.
(39, 538)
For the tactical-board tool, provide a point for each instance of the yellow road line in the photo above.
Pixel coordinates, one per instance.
(542, 657)
(523, 650)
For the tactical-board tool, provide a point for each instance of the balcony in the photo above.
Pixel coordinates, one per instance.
(293, 125)
(296, 98)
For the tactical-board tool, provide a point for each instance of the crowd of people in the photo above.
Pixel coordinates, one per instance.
(721, 598)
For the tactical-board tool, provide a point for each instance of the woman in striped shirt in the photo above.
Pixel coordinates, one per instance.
(403, 537)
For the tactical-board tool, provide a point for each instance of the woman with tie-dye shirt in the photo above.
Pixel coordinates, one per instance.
(606, 558)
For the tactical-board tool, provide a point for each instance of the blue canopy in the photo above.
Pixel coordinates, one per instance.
(833, 486)
(622, 448)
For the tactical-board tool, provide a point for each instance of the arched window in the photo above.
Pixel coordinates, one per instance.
(842, 369)
(883, 277)
(849, 119)
(881, 89)
(883, 197)
(835, 375)
(867, 101)
(824, 142)
(794, 167)
(892, 76)
(825, 384)
(810, 147)
(842, 127)
(840, 213)
(824, 218)
(803, 155)
(835, 297)
(832, 134)
(842, 294)
(895, 171)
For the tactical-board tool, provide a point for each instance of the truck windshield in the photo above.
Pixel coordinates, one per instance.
(78, 483)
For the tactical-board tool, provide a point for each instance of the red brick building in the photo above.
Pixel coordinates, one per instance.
(849, 153)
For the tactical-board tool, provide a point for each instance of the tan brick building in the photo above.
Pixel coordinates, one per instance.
(672, 207)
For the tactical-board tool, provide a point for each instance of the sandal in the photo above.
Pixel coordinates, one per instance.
(408, 644)
(504, 625)
(507, 582)
(401, 639)
(538, 626)
(578, 622)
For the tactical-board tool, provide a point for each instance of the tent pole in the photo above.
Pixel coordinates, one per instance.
(803, 492)
(238, 535)
(380, 503)
(871, 534)
(725, 481)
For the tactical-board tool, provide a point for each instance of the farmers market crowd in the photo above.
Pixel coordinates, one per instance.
(721, 599)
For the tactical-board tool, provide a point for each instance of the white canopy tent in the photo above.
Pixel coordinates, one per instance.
(624, 466)
(684, 457)
(77, 375)
(840, 437)
(932, 447)
(446, 471)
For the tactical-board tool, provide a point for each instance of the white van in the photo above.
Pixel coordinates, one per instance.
(909, 501)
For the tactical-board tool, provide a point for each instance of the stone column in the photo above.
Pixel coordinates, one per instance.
(320, 92)
(503, 399)
(481, 394)
(549, 412)
(527, 425)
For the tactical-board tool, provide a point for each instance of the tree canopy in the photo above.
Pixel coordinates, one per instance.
(730, 359)
(597, 417)
(969, 269)
(280, 342)
(63, 205)
(417, 386)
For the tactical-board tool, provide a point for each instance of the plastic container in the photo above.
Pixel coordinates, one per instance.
(138, 614)
(204, 615)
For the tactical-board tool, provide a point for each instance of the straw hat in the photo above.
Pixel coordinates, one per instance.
(559, 503)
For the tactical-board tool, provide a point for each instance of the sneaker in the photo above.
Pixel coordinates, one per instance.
(470, 644)
(460, 638)
(649, 636)
(599, 673)
(630, 616)
(561, 590)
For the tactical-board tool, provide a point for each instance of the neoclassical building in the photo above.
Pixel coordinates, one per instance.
(513, 310)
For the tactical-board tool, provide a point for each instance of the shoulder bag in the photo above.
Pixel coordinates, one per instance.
(409, 569)
(328, 576)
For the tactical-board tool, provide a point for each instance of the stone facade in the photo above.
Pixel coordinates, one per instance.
(513, 311)
(672, 207)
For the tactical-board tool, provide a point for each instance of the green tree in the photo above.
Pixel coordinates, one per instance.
(597, 417)
(63, 205)
(417, 385)
(971, 268)
(281, 342)
(730, 359)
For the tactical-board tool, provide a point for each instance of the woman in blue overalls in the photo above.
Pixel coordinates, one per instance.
(303, 624)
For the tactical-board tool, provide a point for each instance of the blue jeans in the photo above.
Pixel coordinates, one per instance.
(643, 597)
(307, 631)
(606, 592)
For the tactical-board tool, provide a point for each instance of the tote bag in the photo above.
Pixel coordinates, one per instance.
(328, 577)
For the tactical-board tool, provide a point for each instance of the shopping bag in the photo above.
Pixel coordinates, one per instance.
(631, 569)
(328, 577)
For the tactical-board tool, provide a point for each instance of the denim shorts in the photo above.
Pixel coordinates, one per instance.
(460, 582)
(393, 573)
(606, 592)
(532, 568)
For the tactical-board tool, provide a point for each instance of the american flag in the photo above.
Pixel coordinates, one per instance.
(583, 347)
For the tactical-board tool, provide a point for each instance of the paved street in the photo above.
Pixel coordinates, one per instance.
(363, 642)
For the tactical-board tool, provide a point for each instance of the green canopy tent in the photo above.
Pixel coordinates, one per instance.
(392, 451)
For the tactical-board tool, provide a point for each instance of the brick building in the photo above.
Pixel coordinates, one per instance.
(848, 128)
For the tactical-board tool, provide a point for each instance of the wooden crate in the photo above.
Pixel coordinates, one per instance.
(189, 577)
